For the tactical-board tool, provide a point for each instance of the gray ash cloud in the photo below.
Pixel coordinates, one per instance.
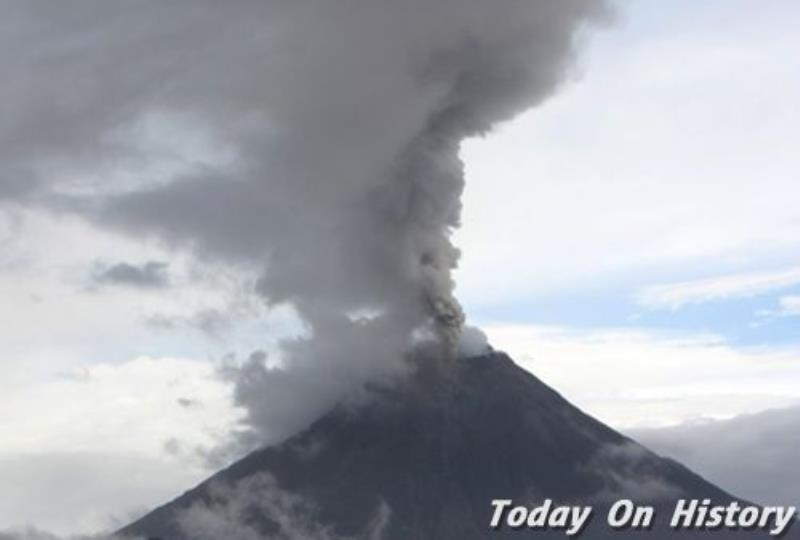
(340, 125)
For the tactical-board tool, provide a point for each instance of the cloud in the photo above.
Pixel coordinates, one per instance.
(71, 493)
(788, 306)
(321, 213)
(36, 534)
(99, 443)
(149, 275)
(676, 295)
(340, 125)
(130, 407)
(622, 181)
(625, 471)
(280, 514)
(188, 403)
(229, 510)
(751, 455)
(209, 321)
(659, 378)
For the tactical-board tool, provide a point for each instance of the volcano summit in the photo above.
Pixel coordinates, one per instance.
(425, 459)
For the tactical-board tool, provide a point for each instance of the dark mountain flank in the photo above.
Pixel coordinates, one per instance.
(424, 459)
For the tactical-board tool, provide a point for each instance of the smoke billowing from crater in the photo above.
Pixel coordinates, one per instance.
(317, 141)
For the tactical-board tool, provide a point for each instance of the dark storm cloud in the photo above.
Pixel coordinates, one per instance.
(340, 122)
(752, 456)
(152, 274)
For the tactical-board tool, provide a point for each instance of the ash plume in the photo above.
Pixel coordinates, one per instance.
(335, 129)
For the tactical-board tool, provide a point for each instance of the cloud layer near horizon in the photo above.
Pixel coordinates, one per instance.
(752, 456)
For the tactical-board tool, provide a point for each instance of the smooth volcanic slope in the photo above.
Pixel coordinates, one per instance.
(430, 454)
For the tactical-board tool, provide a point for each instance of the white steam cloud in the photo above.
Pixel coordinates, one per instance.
(315, 140)
(256, 508)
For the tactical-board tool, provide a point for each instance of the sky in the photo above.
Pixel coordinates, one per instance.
(633, 241)
(655, 224)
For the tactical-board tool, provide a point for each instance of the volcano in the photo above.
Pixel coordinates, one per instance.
(425, 458)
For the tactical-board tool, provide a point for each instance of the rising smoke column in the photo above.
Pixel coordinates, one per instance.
(338, 125)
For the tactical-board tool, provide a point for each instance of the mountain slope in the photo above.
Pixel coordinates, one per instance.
(427, 457)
